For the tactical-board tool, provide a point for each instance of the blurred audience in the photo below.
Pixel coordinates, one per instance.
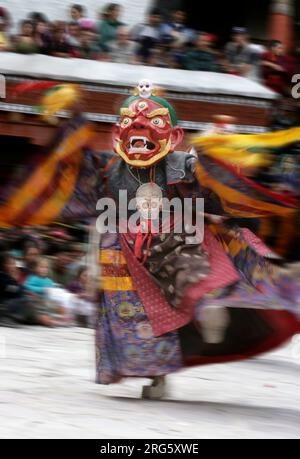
(47, 312)
(147, 36)
(88, 47)
(60, 266)
(83, 301)
(175, 32)
(43, 277)
(41, 35)
(31, 254)
(5, 43)
(14, 306)
(277, 68)
(39, 281)
(109, 25)
(202, 57)
(77, 12)
(73, 34)
(240, 57)
(161, 41)
(59, 45)
(122, 50)
(24, 41)
(35, 286)
(176, 38)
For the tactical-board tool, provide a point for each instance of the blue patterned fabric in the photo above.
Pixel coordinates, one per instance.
(125, 345)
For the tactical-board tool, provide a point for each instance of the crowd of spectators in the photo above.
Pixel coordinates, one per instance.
(44, 278)
(157, 42)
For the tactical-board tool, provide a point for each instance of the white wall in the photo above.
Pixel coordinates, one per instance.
(133, 11)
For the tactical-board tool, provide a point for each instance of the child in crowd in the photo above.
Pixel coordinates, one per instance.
(37, 284)
(24, 42)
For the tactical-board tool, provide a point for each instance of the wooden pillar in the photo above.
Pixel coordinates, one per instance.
(281, 22)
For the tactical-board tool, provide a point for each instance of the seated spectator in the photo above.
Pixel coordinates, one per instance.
(109, 25)
(241, 58)
(39, 281)
(277, 68)
(78, 257)
(175, 37)
(73, 34)
(60, 270)
(202, 58)
(175, 32)
(31, 253)
(42, 36)
(83, 301)
(48, 313)
(77, 12)
(88, 48)
(24, 42)
(148, 36)
(5, 44)
(122, 50)
(60, 47)
(161, 56)
(14, 306)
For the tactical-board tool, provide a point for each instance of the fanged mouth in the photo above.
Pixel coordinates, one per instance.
(140, 145)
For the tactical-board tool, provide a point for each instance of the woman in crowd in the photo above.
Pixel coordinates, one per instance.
(109, 25)
(42, 36)
(47, 312)
(25, 42)
(60, 46)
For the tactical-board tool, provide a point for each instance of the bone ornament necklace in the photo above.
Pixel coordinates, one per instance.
(138, 178)
(148, 203)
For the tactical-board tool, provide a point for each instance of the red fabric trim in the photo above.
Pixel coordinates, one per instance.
(222, 272)
(46, 195)
(285, 326)
(34, 86)
(290, 201)
(256, 243)
(162, 317)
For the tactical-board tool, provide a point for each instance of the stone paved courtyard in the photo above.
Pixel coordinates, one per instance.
(47, 390)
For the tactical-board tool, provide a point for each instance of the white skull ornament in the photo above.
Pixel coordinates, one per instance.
(145, 88)
(149, 201)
